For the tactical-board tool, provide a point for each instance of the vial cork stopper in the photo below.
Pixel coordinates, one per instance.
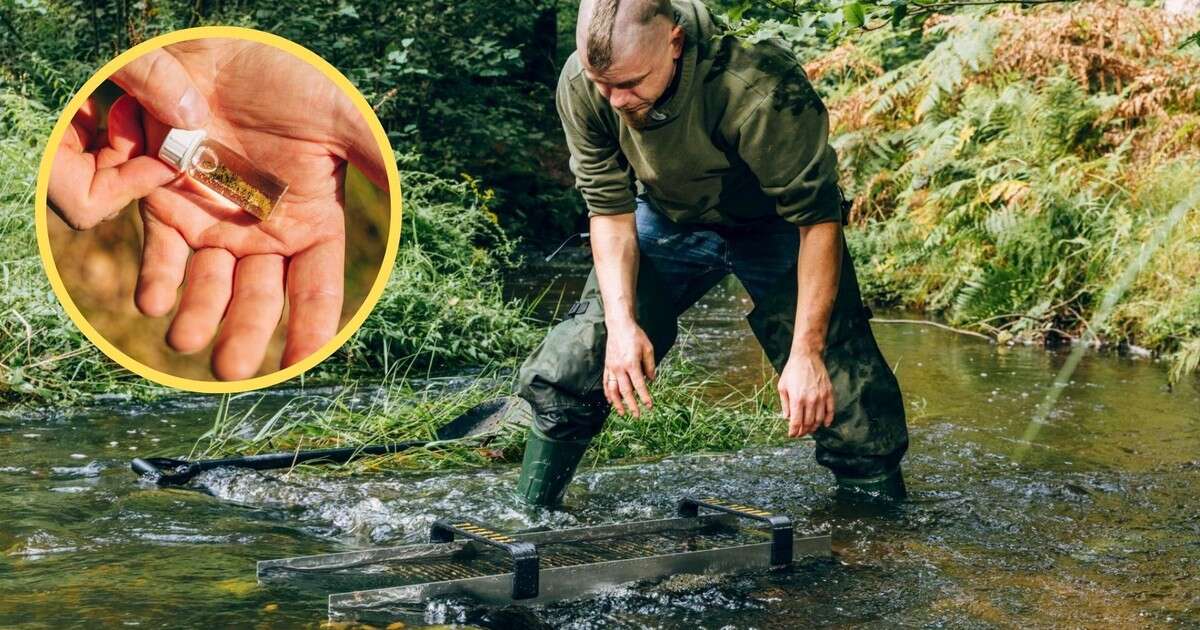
(179, 147)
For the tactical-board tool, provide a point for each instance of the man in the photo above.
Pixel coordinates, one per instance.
(699, 156)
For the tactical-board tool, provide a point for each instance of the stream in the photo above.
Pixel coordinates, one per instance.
(1093, 522)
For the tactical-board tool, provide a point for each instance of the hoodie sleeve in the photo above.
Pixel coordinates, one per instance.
(784, 140)
(602, 174)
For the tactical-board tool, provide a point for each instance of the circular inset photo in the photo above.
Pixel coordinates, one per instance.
(218, 209)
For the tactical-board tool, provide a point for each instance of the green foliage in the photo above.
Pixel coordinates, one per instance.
(693, 412)
(444, 307)
(1009, 198)
(42, 353)
(466, 85)
(831, 21)
(1191, 40)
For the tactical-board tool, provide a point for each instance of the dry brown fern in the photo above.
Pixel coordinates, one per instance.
(1106, 46)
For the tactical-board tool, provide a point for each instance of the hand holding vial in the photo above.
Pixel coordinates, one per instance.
(96, 175)
(242, 211)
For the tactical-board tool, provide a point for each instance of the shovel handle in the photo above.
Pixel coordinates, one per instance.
(143, 467)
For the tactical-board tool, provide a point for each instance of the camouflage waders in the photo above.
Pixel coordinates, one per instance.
(679, 264)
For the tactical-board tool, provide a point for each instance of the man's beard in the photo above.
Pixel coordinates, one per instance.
(638, 119)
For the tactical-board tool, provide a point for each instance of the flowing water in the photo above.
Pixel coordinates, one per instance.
(1093, 524)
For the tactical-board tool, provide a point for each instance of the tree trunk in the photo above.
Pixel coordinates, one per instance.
(540, 63)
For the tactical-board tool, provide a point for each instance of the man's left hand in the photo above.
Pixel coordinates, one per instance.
(806, 394)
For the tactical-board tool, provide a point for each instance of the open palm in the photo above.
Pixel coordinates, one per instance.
(292, 122)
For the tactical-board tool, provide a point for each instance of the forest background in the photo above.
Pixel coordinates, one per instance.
(1009, 164)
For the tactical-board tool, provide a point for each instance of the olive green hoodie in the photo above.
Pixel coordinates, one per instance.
(742, 137)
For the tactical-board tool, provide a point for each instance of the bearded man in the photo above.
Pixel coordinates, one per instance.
(699, 155)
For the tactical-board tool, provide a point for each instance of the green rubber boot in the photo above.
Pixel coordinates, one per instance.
(547, 468)
(888, 487)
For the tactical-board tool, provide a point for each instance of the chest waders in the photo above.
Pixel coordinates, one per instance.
(678, 264)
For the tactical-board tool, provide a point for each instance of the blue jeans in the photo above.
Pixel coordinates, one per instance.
(678, 264)
(691, 259)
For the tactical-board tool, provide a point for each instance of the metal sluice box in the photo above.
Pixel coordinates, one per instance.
(465, 559)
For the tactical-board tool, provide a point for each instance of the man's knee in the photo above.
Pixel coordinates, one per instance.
(561, 379)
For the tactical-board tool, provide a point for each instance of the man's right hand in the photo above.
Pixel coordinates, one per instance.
(628, 366)
(628, 353)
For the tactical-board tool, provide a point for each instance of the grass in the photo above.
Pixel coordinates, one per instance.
(693, 412)
(444, 307)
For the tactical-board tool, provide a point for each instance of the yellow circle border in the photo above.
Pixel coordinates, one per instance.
(195, 385)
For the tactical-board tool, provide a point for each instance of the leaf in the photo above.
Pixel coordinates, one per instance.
(899, 12)
(735, 13)
(855, 14)
(1194, 38)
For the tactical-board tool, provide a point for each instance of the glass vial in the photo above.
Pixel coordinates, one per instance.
(223, 171)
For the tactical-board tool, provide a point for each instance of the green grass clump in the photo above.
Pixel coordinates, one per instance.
(396, 412)
(444, 306)
(693, 412)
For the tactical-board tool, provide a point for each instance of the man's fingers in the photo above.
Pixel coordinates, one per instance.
(784, 409)
(161, 84)
(70, 178)
(164, 258)
(648, 362)
(91, 180)
(639, 386)
(829, 410)
(205, 296)
(254, 311)
(796, 414)
(126, 139)
(315, 280)
(612, 392)
(84, 195)
(626, 389)
(812, 414)
(85, 123)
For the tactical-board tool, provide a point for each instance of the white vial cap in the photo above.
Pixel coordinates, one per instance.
(180, 145)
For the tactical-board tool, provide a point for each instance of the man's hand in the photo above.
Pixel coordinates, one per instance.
(628, 365)
(95, 175)
(805, 394)
(628, 353)
(291, 121)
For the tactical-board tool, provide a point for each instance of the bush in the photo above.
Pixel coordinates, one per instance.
(1009, 165)
(444, 306)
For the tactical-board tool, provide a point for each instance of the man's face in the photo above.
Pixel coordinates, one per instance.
(642, 69)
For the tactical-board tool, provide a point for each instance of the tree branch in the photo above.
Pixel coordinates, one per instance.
(926, 322)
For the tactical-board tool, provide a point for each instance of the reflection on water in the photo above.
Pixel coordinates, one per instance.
(1097, 525)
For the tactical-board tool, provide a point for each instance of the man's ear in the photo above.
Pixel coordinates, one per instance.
(676, 41)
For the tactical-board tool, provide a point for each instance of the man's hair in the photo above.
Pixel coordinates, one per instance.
(604, 18)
